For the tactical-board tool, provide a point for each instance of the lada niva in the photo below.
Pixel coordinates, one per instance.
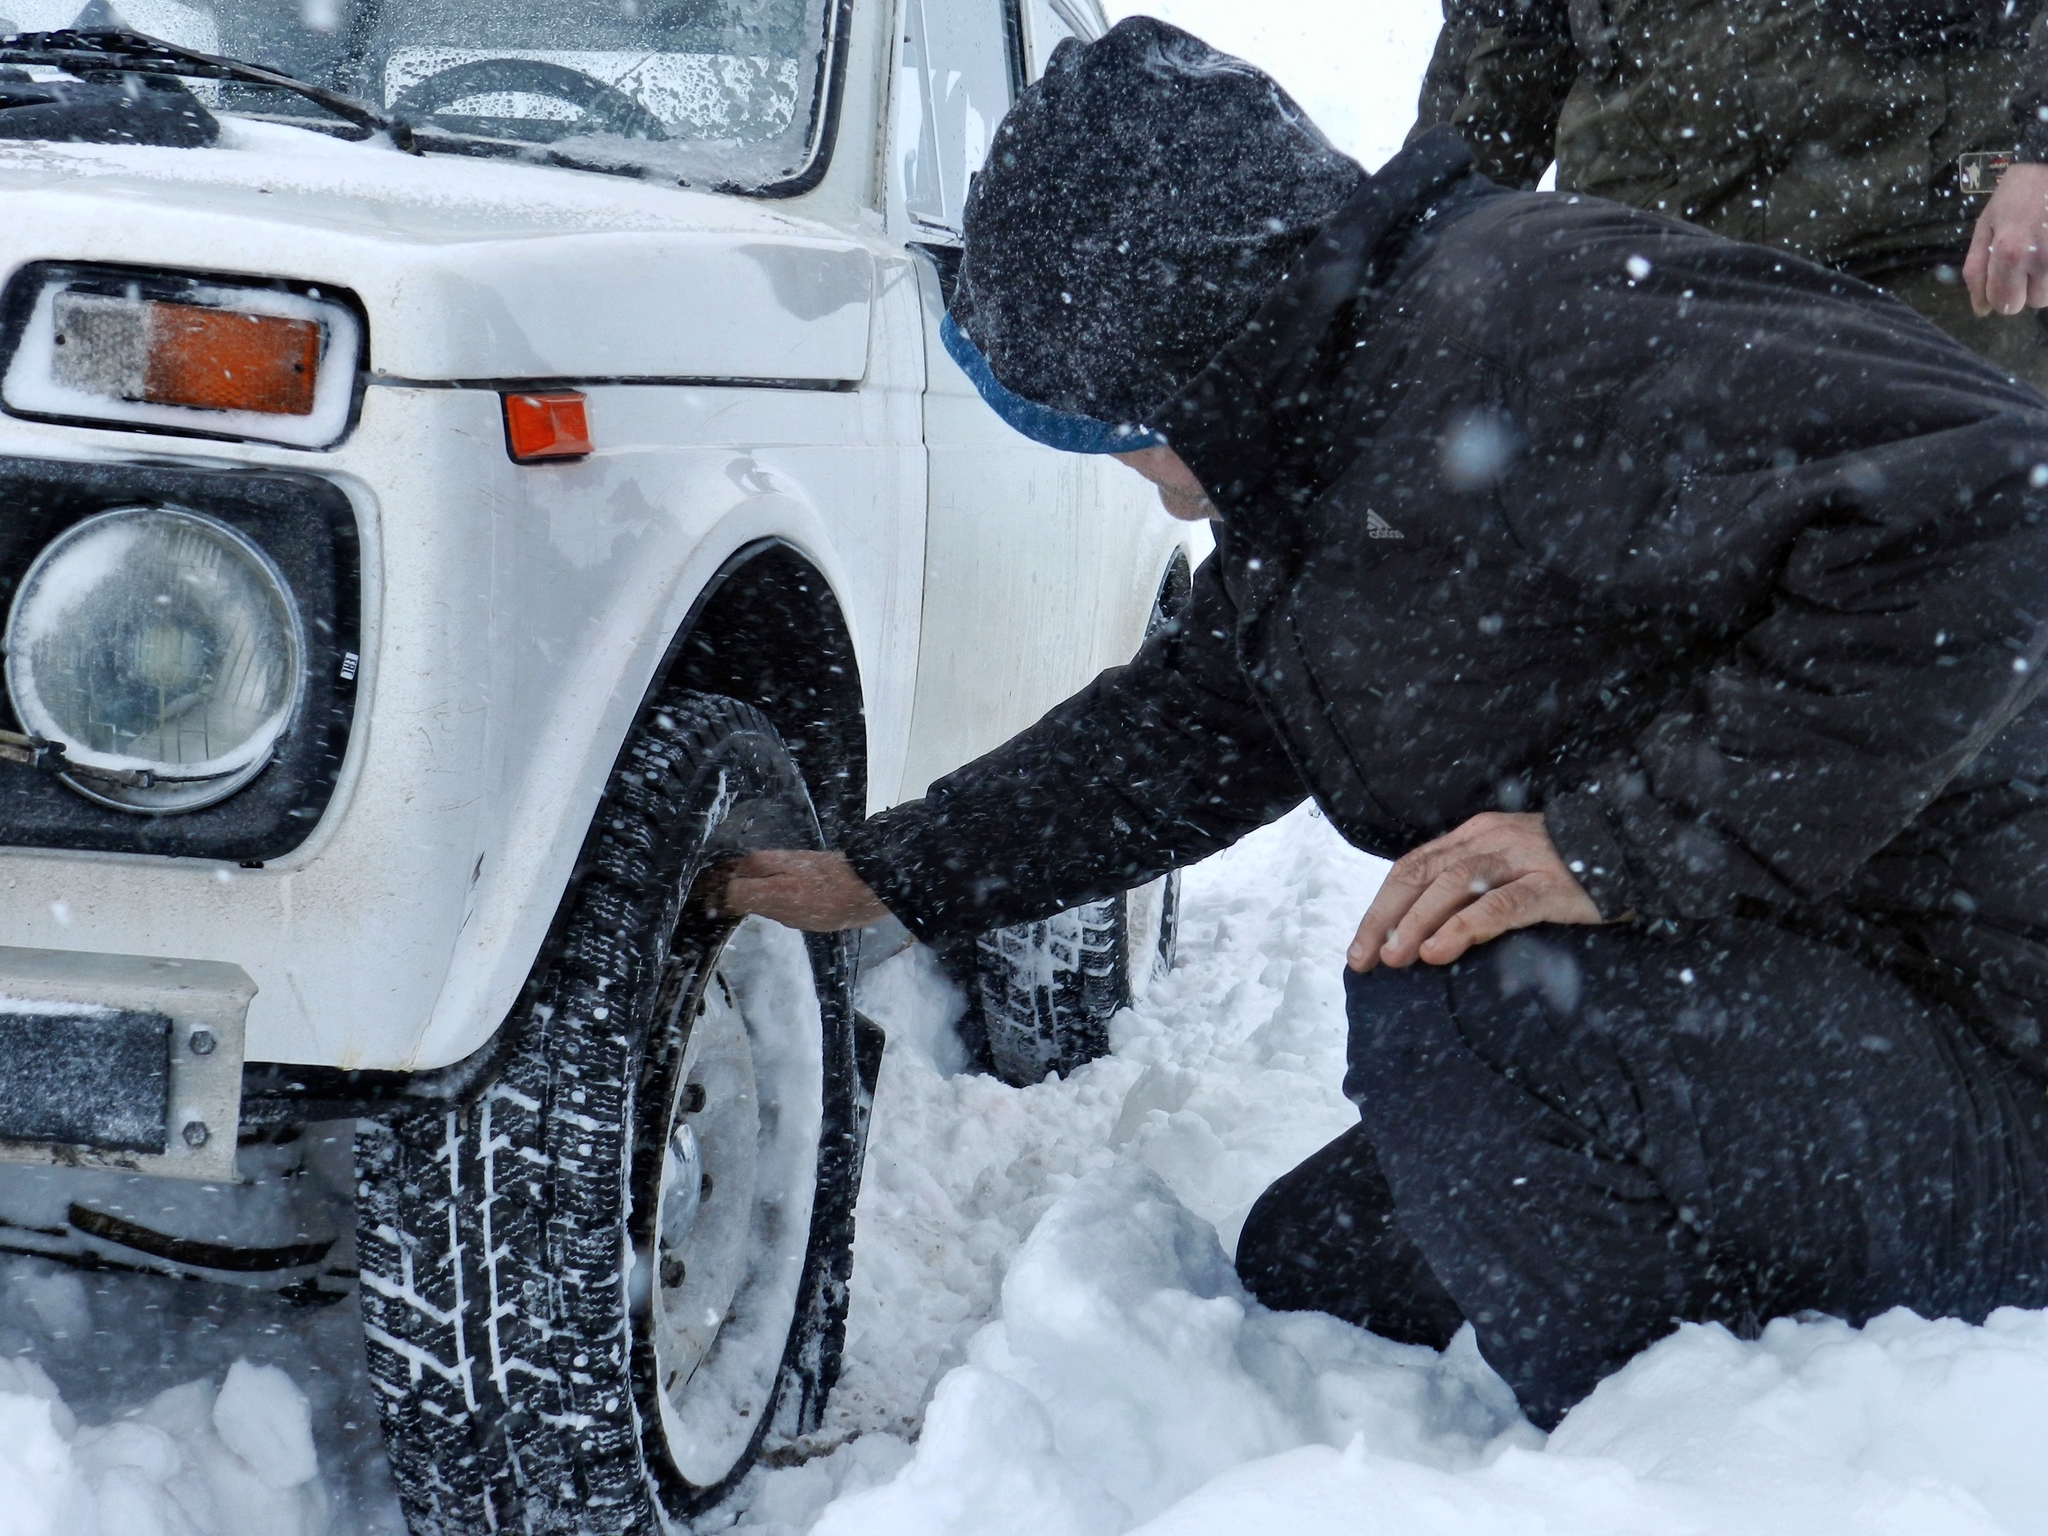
(468, 469)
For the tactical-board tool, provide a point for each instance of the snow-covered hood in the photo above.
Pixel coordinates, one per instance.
(468, 269)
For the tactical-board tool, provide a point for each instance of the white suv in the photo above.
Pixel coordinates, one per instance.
(467, 471)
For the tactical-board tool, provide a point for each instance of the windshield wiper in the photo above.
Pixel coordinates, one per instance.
(121, 52)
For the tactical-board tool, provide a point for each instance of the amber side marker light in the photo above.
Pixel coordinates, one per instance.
(546, 426)
(187, 354)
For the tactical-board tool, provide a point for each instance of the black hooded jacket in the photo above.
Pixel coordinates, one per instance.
(1732, 567)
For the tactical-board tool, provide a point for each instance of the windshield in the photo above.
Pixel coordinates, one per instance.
(720, 93)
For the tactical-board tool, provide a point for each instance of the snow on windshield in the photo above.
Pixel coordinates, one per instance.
(711, 92)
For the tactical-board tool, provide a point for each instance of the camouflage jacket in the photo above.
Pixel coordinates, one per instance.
(1830, 128)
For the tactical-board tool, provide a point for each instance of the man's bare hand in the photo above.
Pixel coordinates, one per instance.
(1496, 873)
(2007, 268)
(816, 892)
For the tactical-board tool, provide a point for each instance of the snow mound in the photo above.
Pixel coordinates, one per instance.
(1045, 1336)
(1905, 1428)
(1129, 1368)
(263, 1418)
(1131, 1385)
(1225, 1075)
(192, 1462)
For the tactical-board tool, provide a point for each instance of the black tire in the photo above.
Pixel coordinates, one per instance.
(1041, 995)
(516, 1253)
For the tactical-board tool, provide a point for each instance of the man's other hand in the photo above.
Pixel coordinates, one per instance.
(1496, 873)
(816, 892)
(2007, 268)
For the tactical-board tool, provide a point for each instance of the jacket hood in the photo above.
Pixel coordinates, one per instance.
(1280, 382)
(1139, 203)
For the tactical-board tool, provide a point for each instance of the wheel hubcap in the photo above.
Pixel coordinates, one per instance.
(701, 1246)
(738, 1178)
(682, 1196)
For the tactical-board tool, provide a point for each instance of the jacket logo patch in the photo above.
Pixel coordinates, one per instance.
(1377, 527)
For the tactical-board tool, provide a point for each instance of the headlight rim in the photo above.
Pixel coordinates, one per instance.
(172, 792)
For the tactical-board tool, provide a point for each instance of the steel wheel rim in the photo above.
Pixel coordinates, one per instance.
(716, 1285)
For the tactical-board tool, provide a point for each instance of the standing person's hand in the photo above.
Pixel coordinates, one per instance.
(1496, 873)
(816, 892)
(2007, 268)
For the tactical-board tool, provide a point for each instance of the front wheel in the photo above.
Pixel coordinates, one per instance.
(591, 1294)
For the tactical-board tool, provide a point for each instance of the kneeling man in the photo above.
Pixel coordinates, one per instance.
(1672, 610)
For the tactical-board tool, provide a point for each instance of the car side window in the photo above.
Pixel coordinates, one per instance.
(953, 87)
(1049, 25)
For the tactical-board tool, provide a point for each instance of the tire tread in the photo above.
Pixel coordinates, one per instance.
(492, 1234)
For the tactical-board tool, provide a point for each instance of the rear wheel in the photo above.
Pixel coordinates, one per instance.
(591, 1294)
(1041, 995)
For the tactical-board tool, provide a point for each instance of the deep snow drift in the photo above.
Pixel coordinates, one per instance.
(1122, 1380)
(1046, 1336)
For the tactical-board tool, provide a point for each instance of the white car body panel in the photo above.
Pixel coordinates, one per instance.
(513, 616)
(1045, 577)
(472, 280)
(507, 644)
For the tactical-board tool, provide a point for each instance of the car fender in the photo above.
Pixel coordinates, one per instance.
(553, 775)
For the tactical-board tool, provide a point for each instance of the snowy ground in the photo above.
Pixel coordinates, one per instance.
(1046, 1337)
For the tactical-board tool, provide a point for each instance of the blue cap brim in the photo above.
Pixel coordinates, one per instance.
(1056, 429)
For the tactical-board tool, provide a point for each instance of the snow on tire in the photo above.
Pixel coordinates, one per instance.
(1043, 993)
(594, 1290)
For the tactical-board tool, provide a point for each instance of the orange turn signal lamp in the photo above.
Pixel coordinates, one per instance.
(550, 425)
(188, 355)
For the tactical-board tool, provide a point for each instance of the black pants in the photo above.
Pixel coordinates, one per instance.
(1578, 1137)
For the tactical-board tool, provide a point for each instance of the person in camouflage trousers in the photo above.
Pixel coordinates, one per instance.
(1865, 135)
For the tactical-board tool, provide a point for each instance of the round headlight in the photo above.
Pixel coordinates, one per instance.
(160, 642)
